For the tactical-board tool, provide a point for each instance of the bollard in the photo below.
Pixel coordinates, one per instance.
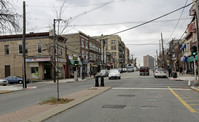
(102, 81)
(96, 81)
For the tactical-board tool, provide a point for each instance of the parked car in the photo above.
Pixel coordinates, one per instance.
(130, 68)
(16, 79)
(3, 82)
(144, 70)
(160, 72)
(114, 73)
(104, 73)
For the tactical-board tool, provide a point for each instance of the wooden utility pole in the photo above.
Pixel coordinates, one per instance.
(24, 45)
(163, 61)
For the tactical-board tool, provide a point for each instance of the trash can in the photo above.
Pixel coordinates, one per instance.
(174, 74)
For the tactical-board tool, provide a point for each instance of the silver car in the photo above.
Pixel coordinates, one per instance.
(3, 82)
(114, 73)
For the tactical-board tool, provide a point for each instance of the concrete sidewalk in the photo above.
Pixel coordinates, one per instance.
(189, 78)
(38, 113)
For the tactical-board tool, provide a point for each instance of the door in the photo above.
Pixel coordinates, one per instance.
(47, 71)
(7, 70)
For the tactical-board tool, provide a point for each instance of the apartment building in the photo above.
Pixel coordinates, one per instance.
(86, 49)
(114, 45)
(127, 55)
(148, 61)
(39, 56)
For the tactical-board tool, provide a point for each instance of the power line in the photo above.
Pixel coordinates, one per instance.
(178, 21)
(152, 19)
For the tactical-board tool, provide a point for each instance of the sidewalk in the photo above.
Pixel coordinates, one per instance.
(187, 77)
(38, 113)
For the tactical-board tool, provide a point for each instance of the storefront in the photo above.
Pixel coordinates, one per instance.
(42, 69)
(73, 67)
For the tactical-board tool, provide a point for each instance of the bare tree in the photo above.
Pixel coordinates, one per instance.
(8, 19)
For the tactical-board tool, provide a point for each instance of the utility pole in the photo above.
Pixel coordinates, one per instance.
(163, 61)
(197, 31)
(54, 48)
(24, 45)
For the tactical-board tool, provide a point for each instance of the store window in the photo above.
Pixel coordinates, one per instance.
(34, 72)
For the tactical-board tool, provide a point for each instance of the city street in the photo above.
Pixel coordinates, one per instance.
(137, 99)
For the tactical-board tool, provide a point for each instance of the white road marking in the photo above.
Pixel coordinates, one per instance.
(149, 89)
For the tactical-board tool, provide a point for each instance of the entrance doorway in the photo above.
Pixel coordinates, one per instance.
(47, 71)
(7, 70)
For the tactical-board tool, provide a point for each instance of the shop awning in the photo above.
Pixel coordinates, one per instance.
(72, 62)
(190, 59)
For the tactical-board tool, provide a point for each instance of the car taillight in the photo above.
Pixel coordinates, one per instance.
(164, 71)
(156, 72)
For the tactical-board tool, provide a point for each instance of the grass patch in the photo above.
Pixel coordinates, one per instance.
(53, 100)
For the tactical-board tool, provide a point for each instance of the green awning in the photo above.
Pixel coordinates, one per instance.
(72, 62)
(190, 59)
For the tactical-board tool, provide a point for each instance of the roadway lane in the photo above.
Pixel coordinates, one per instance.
(138, 99)
(10, 102)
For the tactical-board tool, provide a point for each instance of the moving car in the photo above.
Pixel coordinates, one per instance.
(114, 73)
(160, 72)
(144, 70)
(3, 82)
(16, 79)
(130, 69)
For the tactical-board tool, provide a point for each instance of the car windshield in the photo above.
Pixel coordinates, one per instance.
(114, 71)
(160, 69)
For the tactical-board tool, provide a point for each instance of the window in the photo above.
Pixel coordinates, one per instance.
(6, 47)
(82, 42)
(62, 51)
(39, 48)
(20, 49)
(113, 47)
(86, 44)
(113, 41)
(113, 53)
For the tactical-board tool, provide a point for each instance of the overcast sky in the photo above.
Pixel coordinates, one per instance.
(96, 17)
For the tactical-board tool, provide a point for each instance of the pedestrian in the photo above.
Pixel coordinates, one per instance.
(169, 71)
(181, 71)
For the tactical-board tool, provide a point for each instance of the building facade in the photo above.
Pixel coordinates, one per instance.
(148, 61)
(39, 56)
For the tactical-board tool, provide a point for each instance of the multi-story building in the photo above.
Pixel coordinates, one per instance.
(86, 49)
(127, 54)
(114, 45)
(148, 61)
(39, 56)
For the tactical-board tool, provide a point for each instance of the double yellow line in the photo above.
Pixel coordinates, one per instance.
(182, 101)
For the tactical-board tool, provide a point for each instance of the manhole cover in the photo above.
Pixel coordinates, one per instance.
(126, 95)
(148, 107)
(114, 106)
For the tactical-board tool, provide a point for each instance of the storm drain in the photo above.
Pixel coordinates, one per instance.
(126, 95)
(148, 107)
(114, 106)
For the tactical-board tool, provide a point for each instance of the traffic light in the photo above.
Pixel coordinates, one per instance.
(194, 51)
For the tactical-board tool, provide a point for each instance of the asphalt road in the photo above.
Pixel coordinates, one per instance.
(10, 102)
(137, 98)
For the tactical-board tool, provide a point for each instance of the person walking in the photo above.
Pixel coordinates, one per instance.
(169, 71)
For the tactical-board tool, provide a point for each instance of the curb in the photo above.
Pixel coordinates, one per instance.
(60, 108)
(4, 92)
(193, 88)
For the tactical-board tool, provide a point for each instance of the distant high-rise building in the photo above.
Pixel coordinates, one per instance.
(148, 61)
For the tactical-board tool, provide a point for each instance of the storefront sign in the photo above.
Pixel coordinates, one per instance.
(37, 59)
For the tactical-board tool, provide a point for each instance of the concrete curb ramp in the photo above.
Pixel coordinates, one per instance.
(60, 108)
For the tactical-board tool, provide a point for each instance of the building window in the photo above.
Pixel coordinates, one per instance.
(86, 44)
(113, 53)
(82, 42)
(113, 47)
(113, 41)
(39, 48)
(20, 49)
(6, 49)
